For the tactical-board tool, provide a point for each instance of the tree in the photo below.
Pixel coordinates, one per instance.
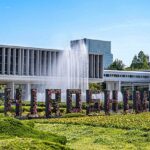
(96, 86)
(140, 61)
(117, 65)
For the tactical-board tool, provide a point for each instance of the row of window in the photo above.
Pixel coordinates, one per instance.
(126, 76)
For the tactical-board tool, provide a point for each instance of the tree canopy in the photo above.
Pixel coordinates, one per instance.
(140, 61)
(117, 65)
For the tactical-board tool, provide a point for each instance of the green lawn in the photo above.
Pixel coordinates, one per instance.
(84, 137)
(17, 135)
(131, 131)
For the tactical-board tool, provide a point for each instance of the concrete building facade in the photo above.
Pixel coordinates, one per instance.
(15, 60)
(29, 66)
(97, 47)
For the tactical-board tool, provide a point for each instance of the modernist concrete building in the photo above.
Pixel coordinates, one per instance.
(28, 66)
(27, 61)
(97, 47)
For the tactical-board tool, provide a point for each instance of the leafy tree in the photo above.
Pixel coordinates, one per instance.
(140, 61)
(117, 65)
(95, 86)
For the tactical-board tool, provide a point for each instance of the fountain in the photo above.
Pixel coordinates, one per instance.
(70, 71)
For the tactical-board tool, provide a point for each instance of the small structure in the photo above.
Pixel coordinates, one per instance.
(78, 105)
(107, 102)
(144, 100)
(7, 103)
(18, 102)
(115, 101)
(137, 101)
(33, 109)
(126, 96)
(92, 104)
(49, 102)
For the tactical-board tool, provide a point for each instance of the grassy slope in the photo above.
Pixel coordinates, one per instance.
(102, 132)
(17, 135)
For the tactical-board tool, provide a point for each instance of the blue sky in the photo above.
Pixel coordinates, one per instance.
(53, 23)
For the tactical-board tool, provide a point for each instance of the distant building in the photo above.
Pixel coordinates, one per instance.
(98, 47)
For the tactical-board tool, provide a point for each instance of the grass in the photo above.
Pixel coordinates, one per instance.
(130, 131)
(85, 137)
(129, 121)
(15, 134)
(77, 131)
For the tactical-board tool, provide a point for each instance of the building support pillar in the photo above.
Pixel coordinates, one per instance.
(3, 61)
(32, 62)
(11, 85)
(22, 67)
(44, 69)
(27, 62)
(149, 86)
(37, 63)
(27, 91)
(93, 66)
(19, 61)
(40, 62)
(8, 61)
(14, 61)
(132, 86)
(101, 68)
(55, 63)
(98, 67)
(49, 63)
(117, 86)
(110, 86)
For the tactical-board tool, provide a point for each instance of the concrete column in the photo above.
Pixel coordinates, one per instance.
(32, 62)
(90, 65)
(49, 63)
(40, 62)
(22, 70)
(101, 66)
(27, 62)
(44, 69)
(19, 62)
(98, 66)
(11, 85)
(109, 86)
(119, 86)
(14, 61)
(132, 91)
(37, 62)
(3, 61)
(54, 64)
(27, 91)
(93, 66)
(132, 87)
(8, 61)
